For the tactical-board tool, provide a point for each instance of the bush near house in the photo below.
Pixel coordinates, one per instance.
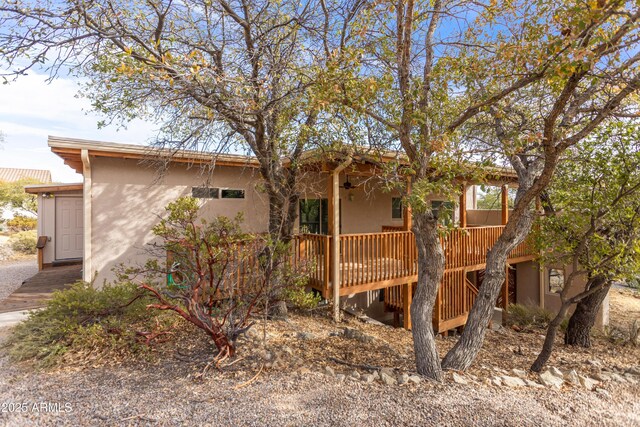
(21, 223)
(24, 242)
(109, 323)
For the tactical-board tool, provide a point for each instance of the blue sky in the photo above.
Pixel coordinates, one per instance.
(31, 109)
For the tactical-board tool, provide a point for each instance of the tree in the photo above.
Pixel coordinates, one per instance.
(13, 196)
(215, 74)
(591, 79)
(460, 83)
(592, 224)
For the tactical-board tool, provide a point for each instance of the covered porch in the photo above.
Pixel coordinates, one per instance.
(387, 259)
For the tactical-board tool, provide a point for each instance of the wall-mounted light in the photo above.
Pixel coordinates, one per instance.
(351, 197)
(47, 195)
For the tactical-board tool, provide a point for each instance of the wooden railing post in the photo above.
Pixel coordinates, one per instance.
(407, 296)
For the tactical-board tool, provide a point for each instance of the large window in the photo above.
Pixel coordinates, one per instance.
(555, 280)
(314, 216)
(396, 208)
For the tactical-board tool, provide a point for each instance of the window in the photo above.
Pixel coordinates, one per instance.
(227, 193)
(314, 216)
(555, 280)
(443, 211)
(204, 192)
(396, 208)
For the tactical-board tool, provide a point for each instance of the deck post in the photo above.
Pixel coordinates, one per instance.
(334, 227)
(505, 291)
(463, 207)
(407, 217)
(505, 204)
(407, 296)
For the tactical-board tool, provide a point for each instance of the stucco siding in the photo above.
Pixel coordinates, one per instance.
(128, 199)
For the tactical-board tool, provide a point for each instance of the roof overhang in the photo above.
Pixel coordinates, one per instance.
(69, 149)
(52, 188)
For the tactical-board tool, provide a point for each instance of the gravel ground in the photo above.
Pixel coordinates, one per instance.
(165, 395)
(13, 273)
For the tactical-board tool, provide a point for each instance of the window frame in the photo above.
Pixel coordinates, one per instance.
(222, 190)
(212, 192)
(393, 208)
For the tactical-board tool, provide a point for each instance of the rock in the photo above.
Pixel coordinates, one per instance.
(305, 336)
(587, 383)
(634, 370)
(368, 378)
(335, 334)
(595, 363)
(572, 377)
(403, 379)
(415, 379)
(519, 373)
(328, 370)
(496, 381)
(278, 311)
(516, 328)
(556, 372)
(266, 355)
(533, 384)
(387, 379)
(376, 375)
(355, 374)
(513, 381)
(603, 392)
(287, 350)
(550, 380)
(459, 379)
(355, 334)
(304, 370)
(618, 378)
(340, 378)
(630, 378)
(602, 376)
(387, 371)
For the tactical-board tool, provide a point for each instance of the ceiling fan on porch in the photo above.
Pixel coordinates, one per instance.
(348, 185)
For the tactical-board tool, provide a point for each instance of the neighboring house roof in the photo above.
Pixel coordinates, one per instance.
(13, 175)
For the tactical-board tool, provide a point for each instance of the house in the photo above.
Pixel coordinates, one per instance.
(355, 233)
(14, 175)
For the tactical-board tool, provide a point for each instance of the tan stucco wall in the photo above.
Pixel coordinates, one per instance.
(47, 222)
(528, 283)
(484, 217)
(127, 201)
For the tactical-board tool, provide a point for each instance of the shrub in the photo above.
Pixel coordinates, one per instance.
(24, 242)
(526, 316)
(212, 275)
(22, 223)
(110, 322)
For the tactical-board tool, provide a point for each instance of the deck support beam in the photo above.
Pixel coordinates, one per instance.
(407, 296)
(334, 227)
(463, 207)
(505, 204)
(407, 217)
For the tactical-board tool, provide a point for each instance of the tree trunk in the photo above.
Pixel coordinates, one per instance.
(430, 272)
(466, 349)
(549, 340)
(584, 317)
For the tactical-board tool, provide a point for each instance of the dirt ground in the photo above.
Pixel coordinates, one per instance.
(284, 382)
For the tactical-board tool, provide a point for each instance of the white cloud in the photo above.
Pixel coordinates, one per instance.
(31, 109)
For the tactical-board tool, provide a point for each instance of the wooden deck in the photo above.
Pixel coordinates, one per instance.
(388, 260)
(36, 290)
